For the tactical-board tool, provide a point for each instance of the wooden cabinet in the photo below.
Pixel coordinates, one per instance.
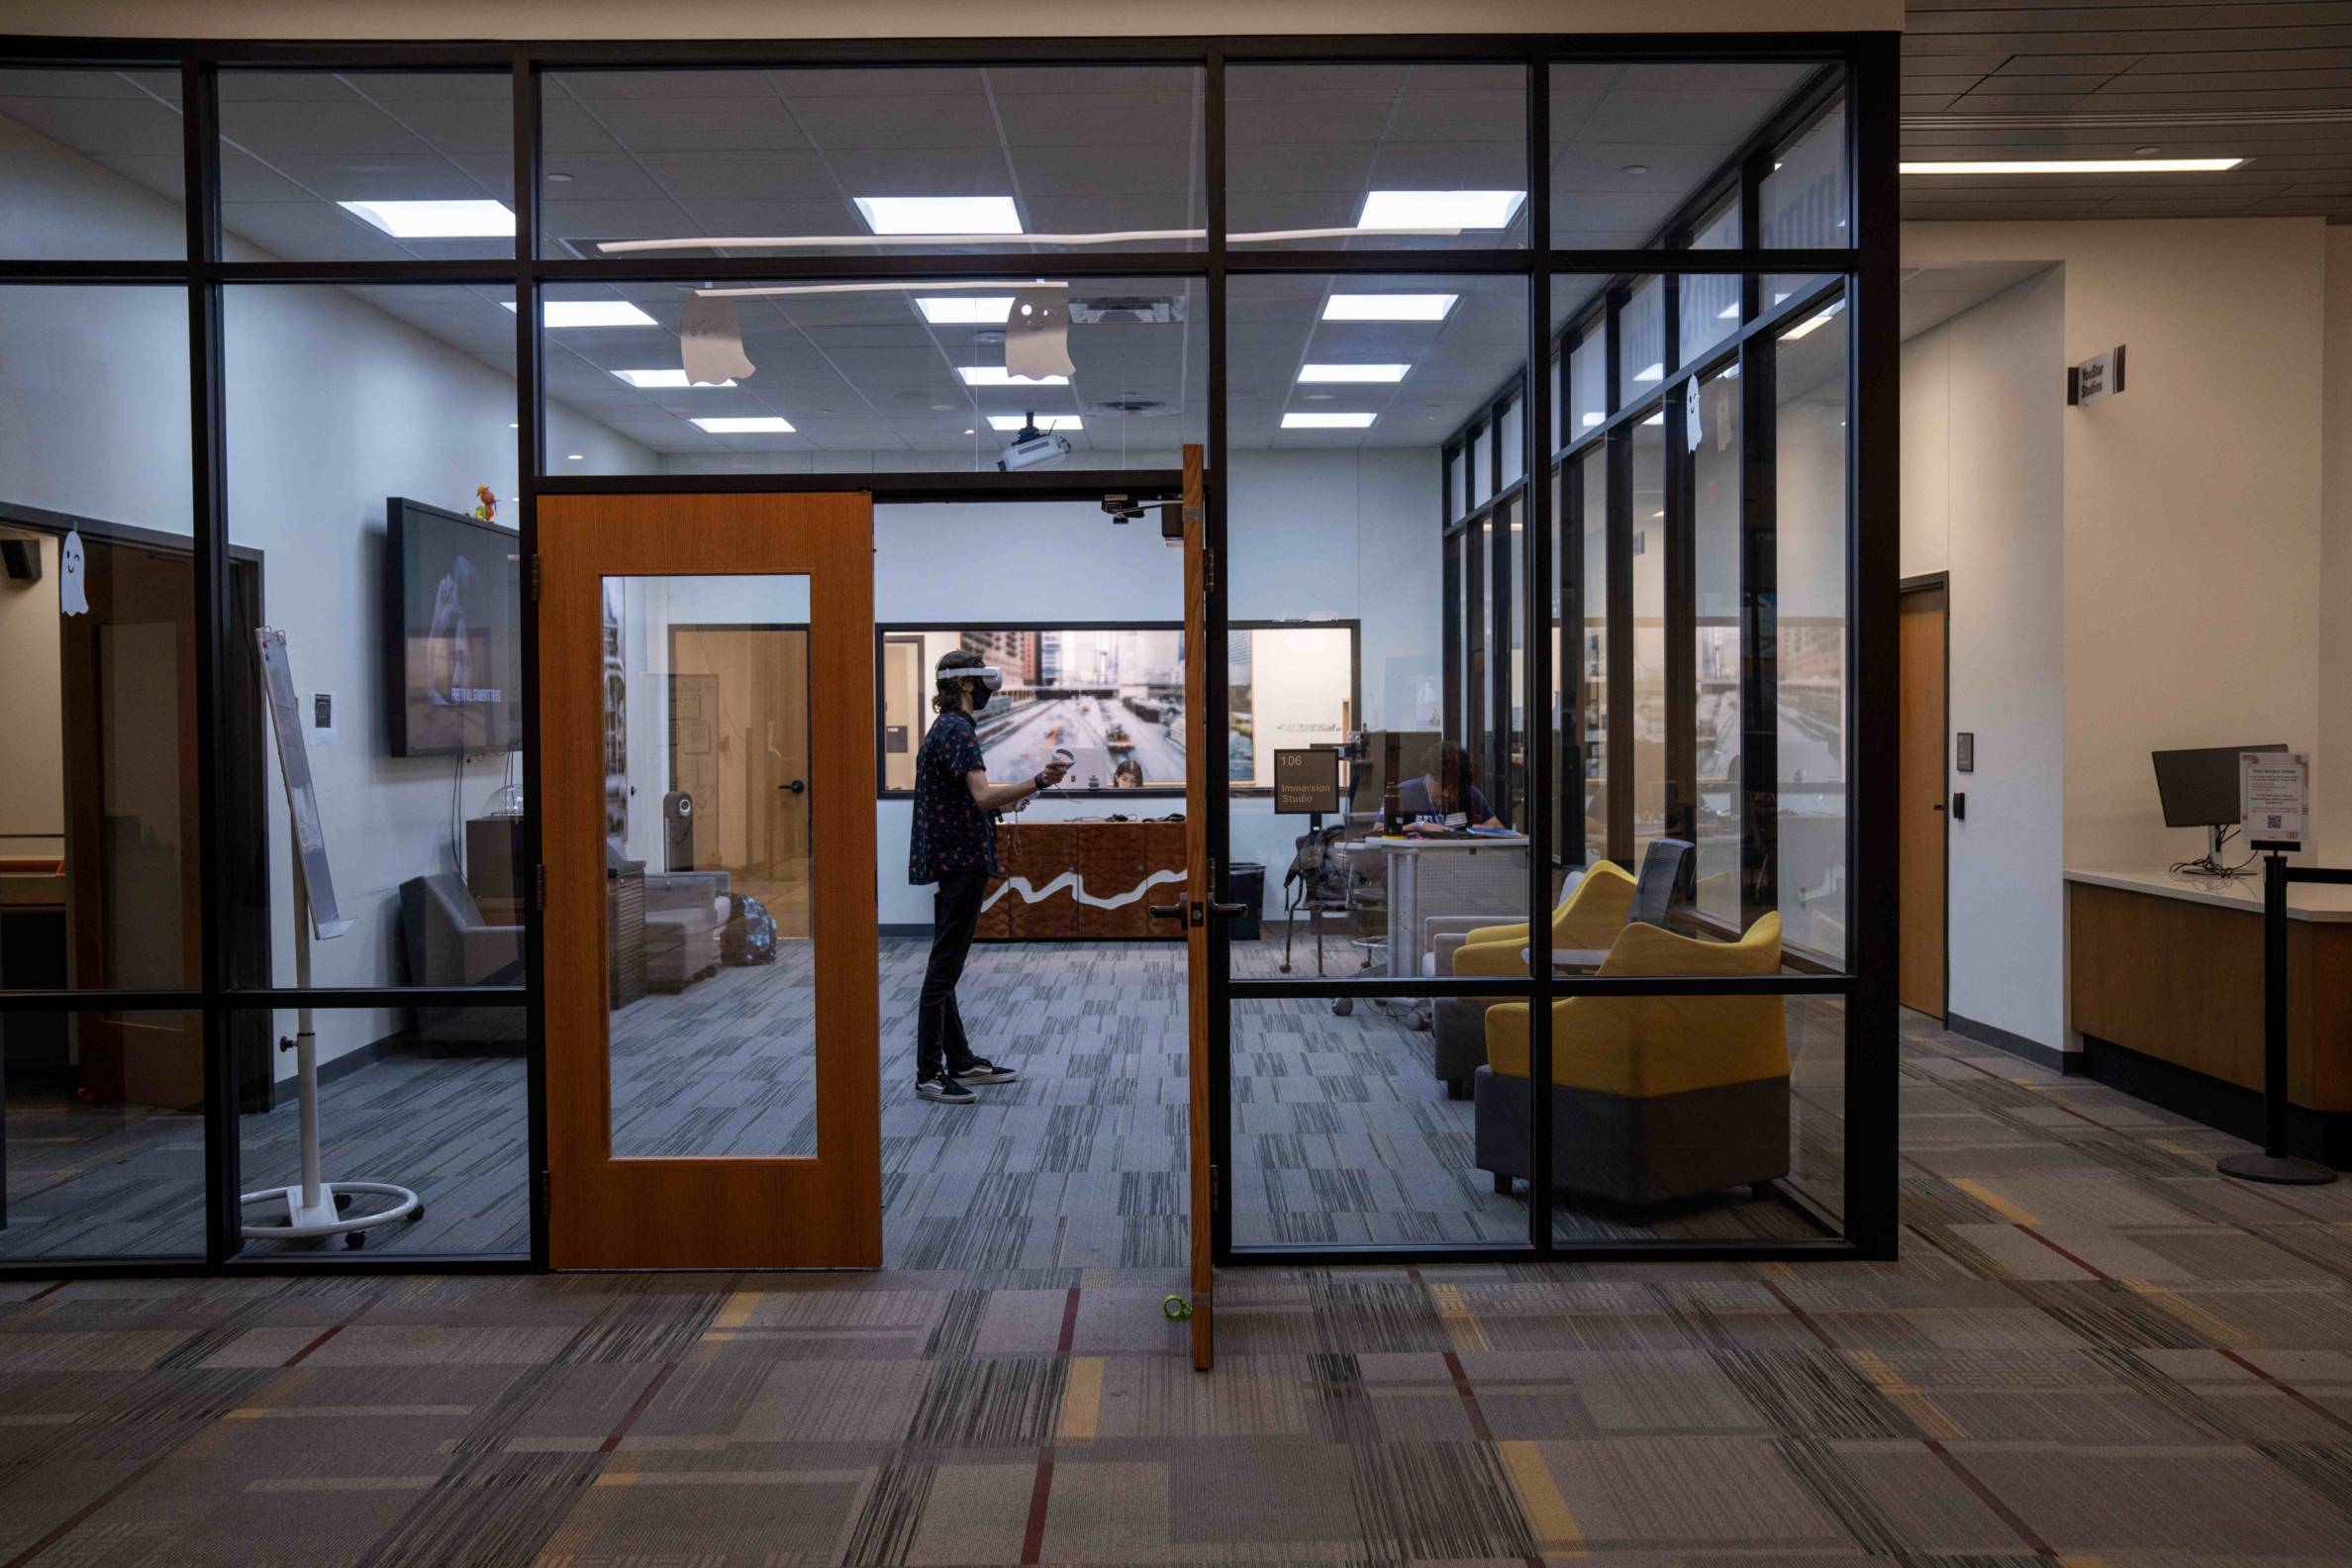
(1049, 864)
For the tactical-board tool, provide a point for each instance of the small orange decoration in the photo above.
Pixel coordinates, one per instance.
(489, 507)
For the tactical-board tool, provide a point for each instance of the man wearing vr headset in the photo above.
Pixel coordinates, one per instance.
(952, 843)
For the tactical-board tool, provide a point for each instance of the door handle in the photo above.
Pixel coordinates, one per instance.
(797, 786)
(1164, 911)
(1939, 805)
(1228, 911)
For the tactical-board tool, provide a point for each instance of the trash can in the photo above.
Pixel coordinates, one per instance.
(1247, 883)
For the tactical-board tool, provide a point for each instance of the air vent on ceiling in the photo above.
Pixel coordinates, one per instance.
(1131, 408)
(1144, 310)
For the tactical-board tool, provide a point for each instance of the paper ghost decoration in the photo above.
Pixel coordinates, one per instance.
(1037, 334)
(711, 342)
(73, 600)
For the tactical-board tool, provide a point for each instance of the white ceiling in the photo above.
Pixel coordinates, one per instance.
(664, 154)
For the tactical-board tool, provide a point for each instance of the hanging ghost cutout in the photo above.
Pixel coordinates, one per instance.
(711, 340)
(1037, 334)
(72, 596)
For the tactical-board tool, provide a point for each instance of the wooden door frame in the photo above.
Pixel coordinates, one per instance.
(691, 1211)
(1205, 1036)
(1934, 582)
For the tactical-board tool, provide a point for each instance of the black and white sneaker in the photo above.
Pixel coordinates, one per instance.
(944, 1089)
(980, 1070)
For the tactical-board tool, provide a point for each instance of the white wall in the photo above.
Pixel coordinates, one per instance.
(332, 407)
(2331, 781)
(1983, 499)
(2192, 568)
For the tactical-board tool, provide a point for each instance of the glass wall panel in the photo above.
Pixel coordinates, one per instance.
(1719, 228)
(853, 162)
(1646, 452)
(1707, 312)
(366, 165)
(1509, 427)
(1482, 464)
(1588, 558)
(1810, 520)
(371, 477)
(1631, 141)
(104, 1146)
(90, 165)
(1805, 201)
(1641, 341)
(1718, 663)
(857, 378)
(1337, 523)
(98, 788)
(1380, 157)
(1588, 387)
(435, 1105)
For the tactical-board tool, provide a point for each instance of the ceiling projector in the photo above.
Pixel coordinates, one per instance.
(1033, 448)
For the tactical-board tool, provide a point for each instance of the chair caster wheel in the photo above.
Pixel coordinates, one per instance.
(416, 1214)
(1343, 1006)
(343, 1203)
(355, 1240)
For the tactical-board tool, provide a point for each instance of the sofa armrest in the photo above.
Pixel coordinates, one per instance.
(487, 951)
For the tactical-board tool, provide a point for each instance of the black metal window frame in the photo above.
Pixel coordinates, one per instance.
(1861, 68)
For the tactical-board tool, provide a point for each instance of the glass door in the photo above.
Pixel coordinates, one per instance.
(709, 845)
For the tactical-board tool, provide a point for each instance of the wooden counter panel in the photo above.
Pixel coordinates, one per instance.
(2182, 982)
(1108, 858)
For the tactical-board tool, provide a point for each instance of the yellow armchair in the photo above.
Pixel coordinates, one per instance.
(1590, 916)
(1653, 1097)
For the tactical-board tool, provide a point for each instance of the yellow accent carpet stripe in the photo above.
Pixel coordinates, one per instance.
(2188, 1311)
(1082, 1400)
(1461, 1323)
(1924, 1412)
(738, 1311)
(1548, 1513)
(1994, 1201)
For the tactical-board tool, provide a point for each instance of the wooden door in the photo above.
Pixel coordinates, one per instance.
(1922, 866)
(746, 760)
(1199, 891)
(658, 1157)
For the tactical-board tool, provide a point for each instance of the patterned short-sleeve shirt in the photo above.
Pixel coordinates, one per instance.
(950, 832)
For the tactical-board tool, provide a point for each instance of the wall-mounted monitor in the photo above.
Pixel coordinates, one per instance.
(452, 615)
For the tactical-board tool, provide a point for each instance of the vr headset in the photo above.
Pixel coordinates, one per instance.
(988, 675)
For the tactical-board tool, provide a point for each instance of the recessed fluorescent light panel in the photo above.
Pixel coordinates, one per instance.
(965, 309)
(1382, 373)
(747, 425)
(589, 313)
(651, 380)
(1328, 421)
(1387, 307)
(2152, 166)
(437, 219)
(1814, 325)
(1045, 421)
(998, 375)
(939, 215)
(1440, 209)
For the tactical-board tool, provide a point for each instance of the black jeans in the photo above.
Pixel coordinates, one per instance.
(938, 1026)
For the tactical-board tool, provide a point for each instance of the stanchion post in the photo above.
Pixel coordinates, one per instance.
(2274, 1164)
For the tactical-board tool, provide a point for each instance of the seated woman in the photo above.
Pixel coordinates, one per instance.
(1446, 795)
(1127, 775)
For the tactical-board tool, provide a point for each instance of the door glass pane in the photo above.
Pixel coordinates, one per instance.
(1649, 631)
(1715, 470)
(709, 971)
(1588, 393)
(1641, 343)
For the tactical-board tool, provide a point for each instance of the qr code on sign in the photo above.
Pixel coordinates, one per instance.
(2275, 821)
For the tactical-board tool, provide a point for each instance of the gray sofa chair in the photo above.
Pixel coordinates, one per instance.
(684, 914)
(449, 944)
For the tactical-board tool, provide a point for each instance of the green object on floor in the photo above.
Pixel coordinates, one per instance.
(1175, 1307)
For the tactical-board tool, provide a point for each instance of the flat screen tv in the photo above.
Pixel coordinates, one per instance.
(454, 613)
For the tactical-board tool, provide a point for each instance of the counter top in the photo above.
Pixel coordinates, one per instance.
(2327, 903)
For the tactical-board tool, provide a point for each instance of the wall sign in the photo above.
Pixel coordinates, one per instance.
(1305, 781)
(2273, 798)
(2100, 376)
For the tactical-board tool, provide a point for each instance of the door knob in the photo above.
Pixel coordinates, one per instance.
(800, 786)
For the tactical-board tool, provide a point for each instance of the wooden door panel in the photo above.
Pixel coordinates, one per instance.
(699, 1211)
(1920, 971)
(1198, 892)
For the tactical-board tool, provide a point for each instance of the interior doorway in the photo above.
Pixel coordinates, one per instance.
(1925, 805)
(738, 750)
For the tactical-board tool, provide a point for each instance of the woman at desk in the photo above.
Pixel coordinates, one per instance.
(1446, 795)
